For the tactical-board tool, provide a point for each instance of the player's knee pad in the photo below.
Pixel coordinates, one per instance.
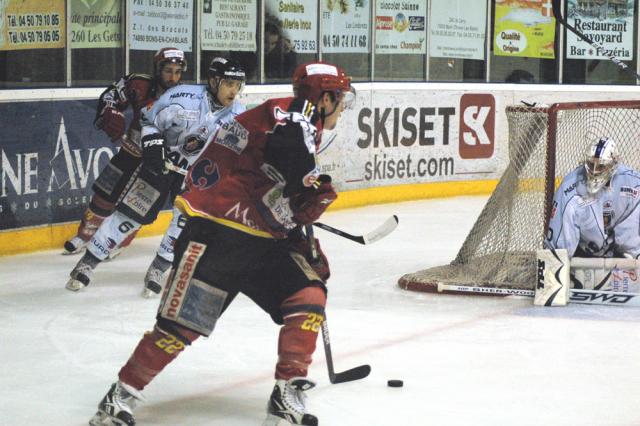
(303, 313)
(168, 242)
(113, 231)
(188, 301)
(115, 176)
(146, 196)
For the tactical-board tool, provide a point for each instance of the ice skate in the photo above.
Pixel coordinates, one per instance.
(74, 245)
(116, 408)
(287, 404)
(154, 279)
(81, 274)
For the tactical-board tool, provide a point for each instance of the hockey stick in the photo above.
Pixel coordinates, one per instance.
(377, 234)
(598, 46)
(170, 166)
(352, 374)
(589, 297)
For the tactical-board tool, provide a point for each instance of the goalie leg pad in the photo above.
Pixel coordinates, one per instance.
(303, 313)
(114, 177)
(190, 302)
(155, 351)
(554, 281)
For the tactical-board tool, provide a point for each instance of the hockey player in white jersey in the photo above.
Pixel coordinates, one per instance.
(175, 130)
(596, 210)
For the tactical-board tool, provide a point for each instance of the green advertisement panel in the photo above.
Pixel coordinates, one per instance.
(525, 29)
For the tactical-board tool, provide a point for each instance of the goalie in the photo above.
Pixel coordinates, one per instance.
(595, 215)
(595, 210)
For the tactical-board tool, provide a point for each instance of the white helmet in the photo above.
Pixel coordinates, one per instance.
(600, 163)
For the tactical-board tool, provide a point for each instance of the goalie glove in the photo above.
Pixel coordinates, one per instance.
(308, 206)
(299, 244)
(153, 154)
(112, 123)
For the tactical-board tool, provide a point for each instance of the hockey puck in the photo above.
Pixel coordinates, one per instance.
(395, 383)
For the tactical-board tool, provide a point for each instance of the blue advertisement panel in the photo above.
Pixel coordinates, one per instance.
(50, 154)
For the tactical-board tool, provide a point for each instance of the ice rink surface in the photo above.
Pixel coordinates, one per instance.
(465, 360)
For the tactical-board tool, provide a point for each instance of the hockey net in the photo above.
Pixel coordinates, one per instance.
(545, 144)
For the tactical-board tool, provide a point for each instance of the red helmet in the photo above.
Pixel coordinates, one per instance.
(168, 55)
(312, 79)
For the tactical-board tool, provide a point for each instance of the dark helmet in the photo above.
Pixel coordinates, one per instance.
(226, 69)
(312, 79)
(168, 55)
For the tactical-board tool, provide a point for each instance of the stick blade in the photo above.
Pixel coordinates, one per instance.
(382, 231)
(355, 373)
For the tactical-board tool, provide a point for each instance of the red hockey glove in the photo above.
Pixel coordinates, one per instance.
(320, 265)
(309, 206)
(113, 123)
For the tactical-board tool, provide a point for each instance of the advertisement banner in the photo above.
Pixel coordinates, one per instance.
(401, 27)
(525, 29)
(229, 25)
(607, 22)
(345, 26)
(458, 29)
(48, 180)
(32, 24)
(154, 24)
(415, 137)
(95, 24)
(297, 21)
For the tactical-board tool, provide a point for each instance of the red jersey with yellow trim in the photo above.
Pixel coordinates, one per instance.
(254, 166)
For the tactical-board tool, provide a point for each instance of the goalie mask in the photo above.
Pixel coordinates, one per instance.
(600, 163)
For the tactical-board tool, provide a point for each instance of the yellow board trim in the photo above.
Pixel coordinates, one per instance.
(53, 236)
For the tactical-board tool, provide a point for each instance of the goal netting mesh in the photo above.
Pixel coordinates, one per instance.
(545, 144)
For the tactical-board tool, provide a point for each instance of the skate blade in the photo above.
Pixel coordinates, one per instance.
(74, 285)
(101, 418)
(147, 294)
(272, 420)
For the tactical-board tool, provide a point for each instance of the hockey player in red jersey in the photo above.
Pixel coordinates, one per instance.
(135, 91)
(247, 197)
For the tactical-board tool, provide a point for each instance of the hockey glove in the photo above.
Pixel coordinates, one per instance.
(113, 123)
(309, 206)
(153, 158)
(320, 265)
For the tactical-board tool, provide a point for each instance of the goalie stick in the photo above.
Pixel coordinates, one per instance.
(598, 46)
(377, 234)
(589, 297)
(352, 374)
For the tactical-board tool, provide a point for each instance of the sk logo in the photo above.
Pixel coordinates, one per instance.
(477, 126)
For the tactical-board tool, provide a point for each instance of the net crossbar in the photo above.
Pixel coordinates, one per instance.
(545, 144)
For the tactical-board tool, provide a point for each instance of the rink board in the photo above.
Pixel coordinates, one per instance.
(434, 140)
(53, 236)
